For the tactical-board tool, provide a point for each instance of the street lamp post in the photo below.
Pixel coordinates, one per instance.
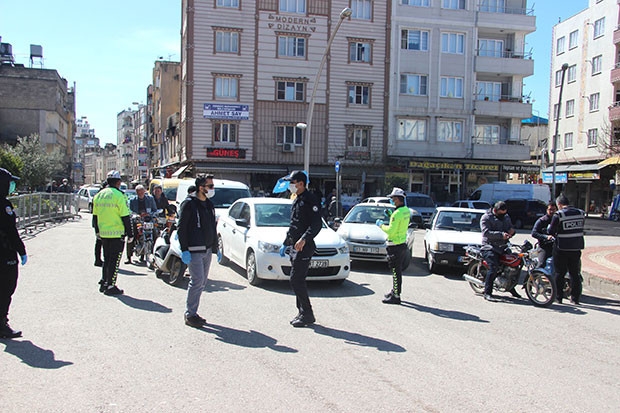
(557, 130)
(346, 12)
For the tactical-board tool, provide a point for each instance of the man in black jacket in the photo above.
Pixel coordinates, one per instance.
(539, 231)
(11, 246)
(198, 239)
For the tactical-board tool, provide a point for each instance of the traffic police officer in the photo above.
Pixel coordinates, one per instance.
(10, 246)
(567, 228)
(111, 222)
(305, 225)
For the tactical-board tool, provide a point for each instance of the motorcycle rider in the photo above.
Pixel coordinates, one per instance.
(497, 229)
(539, 231)
(161, 201)
(11, 246)
(142, 204)
(567, 228)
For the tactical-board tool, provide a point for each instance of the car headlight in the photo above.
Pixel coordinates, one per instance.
(267, 247)
(343, 250)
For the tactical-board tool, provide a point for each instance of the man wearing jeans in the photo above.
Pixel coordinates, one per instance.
(198, 239)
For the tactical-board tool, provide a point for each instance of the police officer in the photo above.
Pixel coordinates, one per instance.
(397, 250)
(10, 246)
(567, 228)
(305, 225)
(111, 222)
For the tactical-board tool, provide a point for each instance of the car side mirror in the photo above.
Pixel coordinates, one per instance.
(242, 222)
(413, 225)
(427, 226)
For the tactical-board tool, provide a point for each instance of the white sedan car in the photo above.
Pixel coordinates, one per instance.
(251, 233)
(449, 232)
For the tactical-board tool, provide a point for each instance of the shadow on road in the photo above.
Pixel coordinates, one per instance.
(251, 339)
(123, 271)
(140, 304)
(358, 339)
(320, 288)
(455, 315)
(33, 355)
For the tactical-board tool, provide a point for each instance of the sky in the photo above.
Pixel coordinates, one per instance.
(108, 48)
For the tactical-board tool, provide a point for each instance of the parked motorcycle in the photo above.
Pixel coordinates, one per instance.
(166, 256)
(145, 235)
(539, 285)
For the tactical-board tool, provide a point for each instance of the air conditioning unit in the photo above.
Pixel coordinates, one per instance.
(288, 147)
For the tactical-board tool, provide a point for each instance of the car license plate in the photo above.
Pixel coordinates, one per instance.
(319, 263)
(148, 225)
(371, 250)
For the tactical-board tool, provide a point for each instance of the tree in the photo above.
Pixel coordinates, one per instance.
(10, 161)
(38, 165)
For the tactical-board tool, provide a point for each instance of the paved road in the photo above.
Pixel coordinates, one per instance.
(444, 349)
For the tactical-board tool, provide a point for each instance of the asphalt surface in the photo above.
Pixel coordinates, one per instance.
(443, 350)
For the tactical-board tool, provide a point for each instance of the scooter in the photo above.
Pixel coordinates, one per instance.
(166, 257)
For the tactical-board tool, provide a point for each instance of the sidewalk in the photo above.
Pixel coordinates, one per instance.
(600, 261)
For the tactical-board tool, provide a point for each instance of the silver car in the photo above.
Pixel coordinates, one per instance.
(366, 241)
(85, 197)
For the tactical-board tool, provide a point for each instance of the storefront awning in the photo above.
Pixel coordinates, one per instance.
(614, 160)
(575, 168)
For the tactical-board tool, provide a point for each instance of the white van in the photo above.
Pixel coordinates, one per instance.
(226, 192)
(501, 191)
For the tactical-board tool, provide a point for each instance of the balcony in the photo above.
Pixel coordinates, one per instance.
(617, 35)
(615, 73)
(506, 18)
(614, 112)
(507, 152)
(505, 107)
(508, 65)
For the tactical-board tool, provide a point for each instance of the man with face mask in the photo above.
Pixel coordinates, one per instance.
(198, 239)
(496, 229)
(11, 246)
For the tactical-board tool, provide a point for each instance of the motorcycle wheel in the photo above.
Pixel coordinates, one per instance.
(177, 269)
(148, 254)
(540, 289)
(478, 271)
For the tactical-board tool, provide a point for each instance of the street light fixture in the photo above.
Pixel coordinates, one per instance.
(557, 127)
(346, 12)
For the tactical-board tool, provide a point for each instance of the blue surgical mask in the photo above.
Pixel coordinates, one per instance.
(11, 187)
(392, 201)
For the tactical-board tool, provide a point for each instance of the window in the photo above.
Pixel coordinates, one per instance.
(453, 4)
(450, 132)
(597, 64)
(293, 91)
(451, 87)
(358, 137)
(592, 137)
(599, 27)
(414, 40)
(491, 48)
(288, 134)
(291, 46)
(452, 43)
(359, 52)
(493, 6)
(293, 6)
(419, 3)
(570, 108)
(556, 111)
(413, 84)
(362, 9)
(225, 132)
(228, 3)
(411, 130)
(226, 87)
(558, 78)
(488, 91)
(487, 134)
(573, 39)
(594, 102)
(226, 42)
(358, 95)
(568, 140)
(560, 45)
(572, 73)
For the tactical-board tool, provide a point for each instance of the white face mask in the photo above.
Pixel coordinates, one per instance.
(292, 188)
(210, 193)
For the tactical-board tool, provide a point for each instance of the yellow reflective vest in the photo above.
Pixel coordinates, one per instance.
(109, 205)
(397, 229)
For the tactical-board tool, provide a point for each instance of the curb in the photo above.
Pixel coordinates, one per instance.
(600, 284)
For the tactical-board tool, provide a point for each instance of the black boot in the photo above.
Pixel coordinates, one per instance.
(7, 332)
(514, 293)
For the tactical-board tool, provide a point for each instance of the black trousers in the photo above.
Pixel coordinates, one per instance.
(568, 261)
(300, 262)
(98, 246)
(492, 259)
(8, 284)
(112, 253)
(396, 255)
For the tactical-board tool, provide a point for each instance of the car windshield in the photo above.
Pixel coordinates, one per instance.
(170, 193)
(367, 214)
(420, 201)
(93, 191)
(225, 197)
(458, 221)
(272, 215)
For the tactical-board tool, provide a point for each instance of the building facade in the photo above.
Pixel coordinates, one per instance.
(125, 143)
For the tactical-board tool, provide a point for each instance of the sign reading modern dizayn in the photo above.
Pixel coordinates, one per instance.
(227, 112)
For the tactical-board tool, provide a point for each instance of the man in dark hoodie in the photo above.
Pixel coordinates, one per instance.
(11, 245)
(198, 239)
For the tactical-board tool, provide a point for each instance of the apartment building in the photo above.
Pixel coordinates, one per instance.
(587, 45)
(165, 99)
(124, 139)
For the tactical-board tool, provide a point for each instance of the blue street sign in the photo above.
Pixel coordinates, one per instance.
(337, 166)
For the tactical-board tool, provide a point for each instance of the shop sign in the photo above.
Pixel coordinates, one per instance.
(521, 169)
(560, 178)
(227, 112)
(357, 155)
(481, 167)
(228, 153)
(291, 24)
(584, 175)
(453, 166)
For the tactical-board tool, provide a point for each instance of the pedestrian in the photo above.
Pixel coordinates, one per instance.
(65, 187)
(333, 207)
(142, 204)
(497, 229)
(98, 244)
(111, 220)
(567, 228)
(11, 246)
(539, 231)
(198, 239)
(53, 187)
(397, 249)
(304, 226)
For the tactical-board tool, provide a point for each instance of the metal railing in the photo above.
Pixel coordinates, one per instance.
(498, 8)
(40, 208)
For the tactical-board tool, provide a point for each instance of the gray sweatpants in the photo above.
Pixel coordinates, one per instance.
(198, 272)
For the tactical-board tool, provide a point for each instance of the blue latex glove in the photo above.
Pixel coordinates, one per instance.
(24, 259)
(282, 250)
(186, 257)
(219, 255)
(379, 222)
